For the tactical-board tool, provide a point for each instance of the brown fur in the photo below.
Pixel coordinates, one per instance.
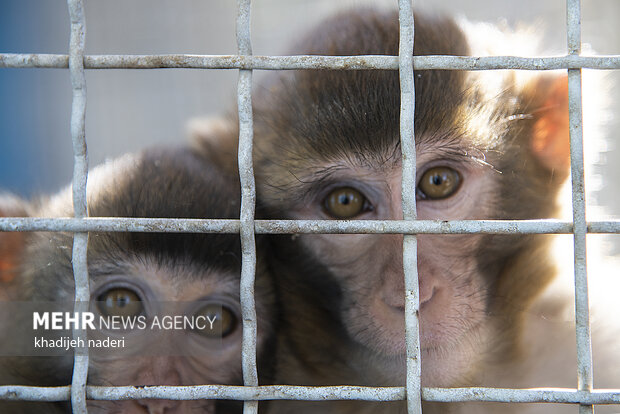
(166, 267)
(316, 129)
(306, 119)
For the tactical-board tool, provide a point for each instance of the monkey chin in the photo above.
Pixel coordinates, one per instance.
(447, 351)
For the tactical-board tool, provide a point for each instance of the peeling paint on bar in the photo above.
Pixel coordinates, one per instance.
(292, 392)
(248, 203)
(270, 392)
(410, 242)
(531, 395)
(156, 225)
(575, 111)
(25, 60)
(80, 207)
(247, 226)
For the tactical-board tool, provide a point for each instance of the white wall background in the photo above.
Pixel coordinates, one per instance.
(132, 109)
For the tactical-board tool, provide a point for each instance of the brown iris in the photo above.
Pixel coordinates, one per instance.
(439, 182)
(345, 203)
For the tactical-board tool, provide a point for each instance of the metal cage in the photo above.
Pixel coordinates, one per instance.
(77, 62)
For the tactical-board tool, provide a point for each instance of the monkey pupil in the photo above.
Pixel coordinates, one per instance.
(344, 199)
(437, 179)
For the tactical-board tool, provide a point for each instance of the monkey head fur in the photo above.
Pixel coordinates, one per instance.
(490, 145)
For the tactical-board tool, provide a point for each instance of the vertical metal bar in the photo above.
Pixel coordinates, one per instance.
(248, 202)
(80, 207)
(582, 318)
(410, 242)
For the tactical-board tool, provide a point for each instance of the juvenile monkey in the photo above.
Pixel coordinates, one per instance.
(142, 275)
(490, 145)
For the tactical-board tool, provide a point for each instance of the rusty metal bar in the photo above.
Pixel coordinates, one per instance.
(408, 183)
(181, 61)
(80, 207)
(293, 392)
(157, 225)
(575, 111)
(248, 202)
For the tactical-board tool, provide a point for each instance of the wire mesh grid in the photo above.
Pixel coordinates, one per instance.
(79, 392)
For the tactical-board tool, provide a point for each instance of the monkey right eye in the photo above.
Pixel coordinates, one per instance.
(345, 203)
(120, 302)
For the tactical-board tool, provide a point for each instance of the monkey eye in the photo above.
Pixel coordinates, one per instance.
(438, 183)
(220, 321)
(120, 302)
(345, 203)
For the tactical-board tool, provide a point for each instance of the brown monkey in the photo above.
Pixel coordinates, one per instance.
(490, 145)
(142, 275)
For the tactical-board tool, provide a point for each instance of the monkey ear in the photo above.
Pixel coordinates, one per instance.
(216, 140)
(550, 133)
(11, 243)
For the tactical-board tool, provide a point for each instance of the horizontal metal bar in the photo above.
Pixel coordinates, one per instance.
(531, 395)
(119, 224)
(157, 225)
(288, 392)
(24, 393)
(14, 60)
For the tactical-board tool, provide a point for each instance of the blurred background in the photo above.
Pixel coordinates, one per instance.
(131, 109)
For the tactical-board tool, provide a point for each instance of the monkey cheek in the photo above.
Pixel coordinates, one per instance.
(452, 334)
(377, 326)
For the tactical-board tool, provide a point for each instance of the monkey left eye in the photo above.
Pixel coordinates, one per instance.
(438, 183)
(220, 321)
(120, 302)
(345, 203)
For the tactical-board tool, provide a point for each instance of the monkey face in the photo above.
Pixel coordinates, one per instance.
(170, 301)
(369, 268)
(167, 356)
(327, 145)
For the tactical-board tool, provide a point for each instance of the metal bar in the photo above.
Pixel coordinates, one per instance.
(80, 207)
(156, 225)
(575, 110)
(248, 203)
(530, 395)
(77, 62)
(289, 392)
(182, 61)
(410, 242)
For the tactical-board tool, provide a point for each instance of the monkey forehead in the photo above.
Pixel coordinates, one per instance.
(159, 183)
(175, 282)
(330, 115)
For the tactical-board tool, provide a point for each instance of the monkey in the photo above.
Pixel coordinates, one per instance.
(490, 145)
(141, 275)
